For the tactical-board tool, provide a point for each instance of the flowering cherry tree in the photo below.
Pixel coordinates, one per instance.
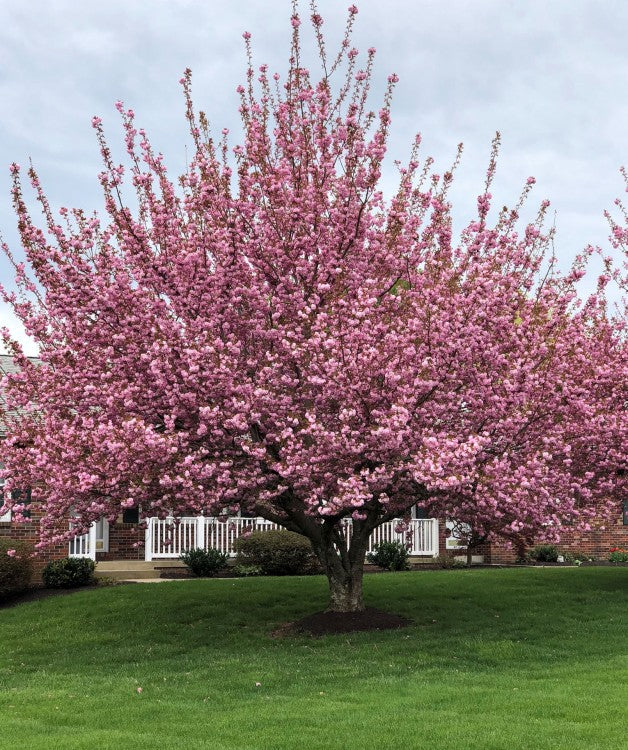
(273, 335)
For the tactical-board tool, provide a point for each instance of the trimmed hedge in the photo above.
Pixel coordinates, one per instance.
(68, 573)
(204, 562)
(544, 553)
(277, 553)
(15, 569)
(390, 556)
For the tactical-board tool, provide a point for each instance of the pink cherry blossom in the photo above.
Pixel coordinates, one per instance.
(273, 335)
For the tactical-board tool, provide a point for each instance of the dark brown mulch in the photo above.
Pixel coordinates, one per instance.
(184, 573)
(330, 623)
(174, 573)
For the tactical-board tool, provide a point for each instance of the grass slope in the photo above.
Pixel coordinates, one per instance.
(518, 659)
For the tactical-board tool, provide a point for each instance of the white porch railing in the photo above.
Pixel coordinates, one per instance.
(421, 536)
(84, 545)
(169, 539)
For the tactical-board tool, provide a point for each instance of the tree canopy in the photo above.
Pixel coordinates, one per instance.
(273, 334)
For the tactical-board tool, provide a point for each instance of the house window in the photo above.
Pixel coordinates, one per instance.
(456, 533)
(5, 517)
(23, 497)
(17, 496)
(131, 515)
(419, 513)
(625, 512)
(102, 535)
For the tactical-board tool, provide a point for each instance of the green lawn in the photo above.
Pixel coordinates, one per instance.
(516, 659)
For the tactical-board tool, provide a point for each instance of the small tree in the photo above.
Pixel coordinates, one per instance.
(277, 337)
(471, 538)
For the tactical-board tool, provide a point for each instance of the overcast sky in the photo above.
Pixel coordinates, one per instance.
(552, 76)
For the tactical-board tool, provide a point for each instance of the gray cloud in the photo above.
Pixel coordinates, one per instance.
(551, 76)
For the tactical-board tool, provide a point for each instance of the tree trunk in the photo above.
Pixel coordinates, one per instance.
(345, 590)
(344, 567)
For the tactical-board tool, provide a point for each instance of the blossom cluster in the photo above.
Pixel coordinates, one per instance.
(271, 334)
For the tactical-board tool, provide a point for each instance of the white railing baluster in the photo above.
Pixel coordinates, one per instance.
(83, 545)
(166, 538)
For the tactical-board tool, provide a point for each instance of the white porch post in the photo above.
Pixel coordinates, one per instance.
(148, 541)
(200, 532)
(435, 542)
(92, 542)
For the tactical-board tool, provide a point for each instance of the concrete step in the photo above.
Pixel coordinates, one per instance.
(128, 575)
(137, 564)
(124, 570)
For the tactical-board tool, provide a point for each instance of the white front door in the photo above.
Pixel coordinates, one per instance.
(102, 535)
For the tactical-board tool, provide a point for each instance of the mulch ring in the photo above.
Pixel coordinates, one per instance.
(330, 623)
(184, 574)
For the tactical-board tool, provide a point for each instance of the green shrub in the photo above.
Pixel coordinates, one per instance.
(544, 553)
(16, 568)
(448, 562)
(204, 563)
(69, 573)
(574, 557)
(277, 553)
(390, 556)
(617, 554)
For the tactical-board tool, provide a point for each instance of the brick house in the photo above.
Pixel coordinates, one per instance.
(131, 538)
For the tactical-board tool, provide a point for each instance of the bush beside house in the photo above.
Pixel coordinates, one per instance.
(204, 563)
(16, 567)
(390, 556)
(68, 573)
(277, 553)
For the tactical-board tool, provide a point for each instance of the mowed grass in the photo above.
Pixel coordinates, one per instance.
(515, 659)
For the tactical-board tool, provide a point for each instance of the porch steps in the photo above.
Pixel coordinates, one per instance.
(133, 570)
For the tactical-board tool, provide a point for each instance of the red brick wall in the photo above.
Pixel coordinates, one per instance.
(502, 555)
(126, 542)
(122, 540)
(597, 543)
(482, 549)
(29, 534)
